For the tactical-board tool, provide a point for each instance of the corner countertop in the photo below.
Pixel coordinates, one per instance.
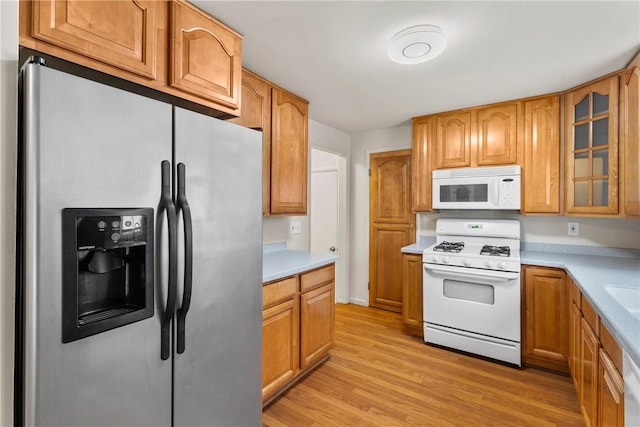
(419, 247)
(279, 262)
(591, 274)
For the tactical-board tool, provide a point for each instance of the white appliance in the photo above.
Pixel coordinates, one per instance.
(477, 188)
(471, 288)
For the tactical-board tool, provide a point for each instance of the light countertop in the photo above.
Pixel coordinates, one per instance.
(279, 262)
(591, 272)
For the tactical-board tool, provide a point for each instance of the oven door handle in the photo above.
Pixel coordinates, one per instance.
(501, 276)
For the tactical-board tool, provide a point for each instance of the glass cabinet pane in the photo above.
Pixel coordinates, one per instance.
(601, 132)
(600, 192)
(581, 165)
(581, 136)
(581, 193)
(600, 104)
(600, 163)
(582, 109)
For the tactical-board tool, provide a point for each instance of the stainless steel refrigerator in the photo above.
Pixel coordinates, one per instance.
(139, 284)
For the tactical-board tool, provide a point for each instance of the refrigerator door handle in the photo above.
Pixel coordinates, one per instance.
(166, 204)
(183, 205)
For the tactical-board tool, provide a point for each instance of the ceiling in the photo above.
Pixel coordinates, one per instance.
(334, 54)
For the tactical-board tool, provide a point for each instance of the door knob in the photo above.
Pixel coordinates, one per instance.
(332, 248)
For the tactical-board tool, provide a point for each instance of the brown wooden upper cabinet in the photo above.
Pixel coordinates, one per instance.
(171, 47)
(524, 132)
(591, 148)
(206, 57)
(541, 157)
(284, 119)
(631, 141)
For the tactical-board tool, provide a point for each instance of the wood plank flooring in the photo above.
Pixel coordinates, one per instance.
(377, 376)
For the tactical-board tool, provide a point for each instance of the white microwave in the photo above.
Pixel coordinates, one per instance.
(496, 188)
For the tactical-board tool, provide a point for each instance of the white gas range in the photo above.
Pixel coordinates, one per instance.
(471, 288)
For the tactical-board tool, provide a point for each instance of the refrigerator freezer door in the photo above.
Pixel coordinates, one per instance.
(87, 145)
(217, 378)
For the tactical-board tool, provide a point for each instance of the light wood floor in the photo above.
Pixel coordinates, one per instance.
(377, 376)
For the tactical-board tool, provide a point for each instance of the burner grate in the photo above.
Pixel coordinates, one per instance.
(449, 247)
(495, 250)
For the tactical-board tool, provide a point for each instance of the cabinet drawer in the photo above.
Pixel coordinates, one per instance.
(611, 346)
(575, 294)
(317, 277)
(279, 291)
(590, 316)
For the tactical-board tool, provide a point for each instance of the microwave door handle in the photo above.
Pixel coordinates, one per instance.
(443, 270)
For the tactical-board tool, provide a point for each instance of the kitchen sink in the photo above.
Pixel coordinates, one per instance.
(628, 298)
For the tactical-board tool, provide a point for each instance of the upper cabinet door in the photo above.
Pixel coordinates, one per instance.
(206, 56)
(541, 167)
(289, 153)
(453, 140)
(119, 33)
(421, 167)
(591, 129)
(632, 144)
(497, 134)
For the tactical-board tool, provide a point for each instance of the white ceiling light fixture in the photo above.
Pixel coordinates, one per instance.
(420, 43)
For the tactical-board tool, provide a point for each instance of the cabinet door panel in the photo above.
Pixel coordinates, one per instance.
(610, 394)
(632, 145)
(121, 33)
(280, 350)
(289, 153)
(541, 169)
(589, 350)
(546, 342)
(317, 308)
(497, 133)
(206, 57)
(453, 140)
(412, 294)
(421, 165)
(591, 138)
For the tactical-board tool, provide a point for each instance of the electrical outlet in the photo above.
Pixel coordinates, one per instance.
(574, 229)
(294, 227)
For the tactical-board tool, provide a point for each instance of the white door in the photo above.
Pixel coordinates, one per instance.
(324, 210)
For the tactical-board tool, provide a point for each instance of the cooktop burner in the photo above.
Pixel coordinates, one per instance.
(495, 250)
(449, 247)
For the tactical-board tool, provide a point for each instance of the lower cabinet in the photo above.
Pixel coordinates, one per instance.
(545, 342)
(298, 319)
(412, 294)
(595, 359)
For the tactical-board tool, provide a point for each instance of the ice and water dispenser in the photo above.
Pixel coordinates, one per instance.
(107, 269)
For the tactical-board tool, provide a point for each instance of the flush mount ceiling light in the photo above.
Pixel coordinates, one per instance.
(420, 43)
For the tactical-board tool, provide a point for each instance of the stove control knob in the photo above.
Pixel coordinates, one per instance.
(436, 259)
(466, 262)
(501, 265)
(489, 264)
(445, 259)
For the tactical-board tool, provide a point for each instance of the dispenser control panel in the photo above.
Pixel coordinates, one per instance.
(110, 232)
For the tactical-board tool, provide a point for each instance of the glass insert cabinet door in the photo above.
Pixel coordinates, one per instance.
(592, 148)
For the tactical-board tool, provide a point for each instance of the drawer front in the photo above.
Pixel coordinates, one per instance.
(281, 290)
(317, 277)
(611, 346)
(575, 294)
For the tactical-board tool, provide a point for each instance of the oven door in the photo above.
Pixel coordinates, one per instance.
(484, 302)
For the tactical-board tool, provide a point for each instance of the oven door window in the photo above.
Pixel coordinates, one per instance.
(464, 193)
(466, 291)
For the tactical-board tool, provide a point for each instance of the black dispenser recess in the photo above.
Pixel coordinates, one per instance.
(107, 269)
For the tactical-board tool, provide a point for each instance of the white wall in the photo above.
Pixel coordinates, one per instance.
(362, 145)
(8, 138)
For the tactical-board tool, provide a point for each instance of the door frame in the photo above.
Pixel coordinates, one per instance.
(368, 153)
